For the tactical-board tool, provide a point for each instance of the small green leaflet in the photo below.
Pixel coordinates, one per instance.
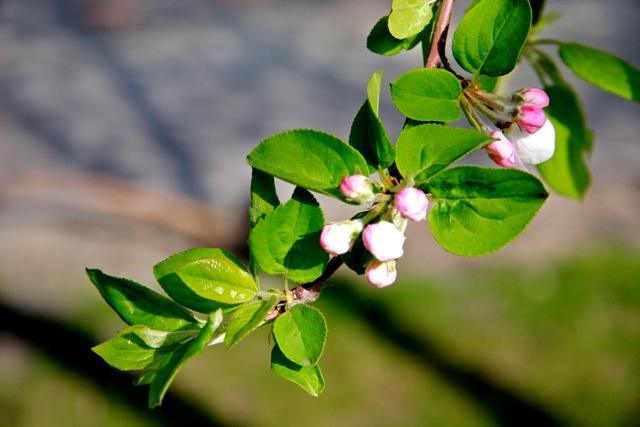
(427, 95)
(264, 198)
(301, 333)
(368, 134)
(288, 241)
(308, 158)
(157, 339)
(409, 17)
(205, 279)
(476, 211)
(425, 150)
(308, 377)
(138, 305)
(491, 36)
(603, 70)
(567, 172)
(170, 367)
(381, 41)
(127, 352)
(246, 319)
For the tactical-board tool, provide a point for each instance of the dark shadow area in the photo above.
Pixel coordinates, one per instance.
(71, 350)
(507, 407)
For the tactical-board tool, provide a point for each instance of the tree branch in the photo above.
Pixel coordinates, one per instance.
(436, 57)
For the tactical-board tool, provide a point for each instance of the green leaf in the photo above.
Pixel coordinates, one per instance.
(478, 210)
(425, 150)
(427, 95)
(358, 257)
(128, 352)
(368, 134)
(205, 279)
(603, 70)
(567, 172)
(409, 17)
(301, 333)
(308, 158)
(288, 241)
(308, 377)
(491, 36)
(246, 319)
(381, 41)
(156, 339)
(264, 198)
(136, 304)
(170, 367)
(537, 6)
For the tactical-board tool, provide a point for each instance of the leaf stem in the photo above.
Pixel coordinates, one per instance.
(436, 57)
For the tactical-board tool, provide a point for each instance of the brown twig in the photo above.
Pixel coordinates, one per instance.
(436, 57)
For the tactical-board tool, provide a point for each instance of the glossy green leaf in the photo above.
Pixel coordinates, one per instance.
(425, 150)
(381, 41)
(136, 304)
(301, 333)
(308, 377)
(246, 319)
(156, 339)
(427, 95)
(288, 241)
(491, 36)
(409, 17)
(128, 352)
(205, 279)
(368, 134)
(478, 210)
(170, 367)
(264, 198)
(603, 70)
(308, 158)
(567, 172)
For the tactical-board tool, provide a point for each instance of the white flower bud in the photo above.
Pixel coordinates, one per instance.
(356, 188)
(412, 204)
(534, 148)
(338, 238)
(384, 241)
(381, 274)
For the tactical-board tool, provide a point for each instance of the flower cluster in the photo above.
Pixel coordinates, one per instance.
(519, 126)
(382, 229)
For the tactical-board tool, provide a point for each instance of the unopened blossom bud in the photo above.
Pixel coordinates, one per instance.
(534, 148)
(338, 238)
(533, 96)
(412, 204)
(383, 240)
(502, 151)
(381, 274)
(356, 188)
(530, 118)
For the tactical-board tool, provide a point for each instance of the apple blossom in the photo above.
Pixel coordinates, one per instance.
(502, 151)
(338, 238)
(356, 188)
(412, 204)
(383, 240)
(534, 148)
(381, 274)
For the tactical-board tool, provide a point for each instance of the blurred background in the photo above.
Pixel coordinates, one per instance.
(124, 125)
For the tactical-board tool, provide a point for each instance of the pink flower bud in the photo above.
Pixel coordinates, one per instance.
(338, 238)
(412, 204)
(383, 240)
(381, 274)
(534, 148)
(533, 96)
(502, 151)
(530, 118)
(356, 188)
